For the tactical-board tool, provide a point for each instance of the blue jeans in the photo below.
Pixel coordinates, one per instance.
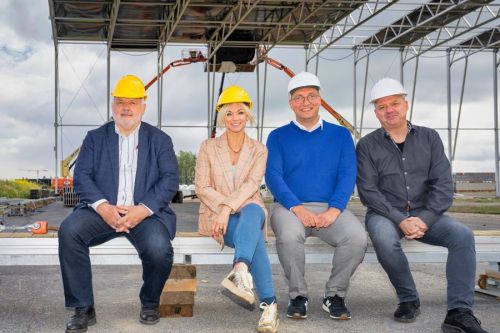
(448, 232)
(244, 234)
(85, 228)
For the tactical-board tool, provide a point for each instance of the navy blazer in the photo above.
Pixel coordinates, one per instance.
(156, 180)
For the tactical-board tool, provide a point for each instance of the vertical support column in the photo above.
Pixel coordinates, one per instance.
(448, 102)
(317, 65)
(306, 48)
(495, 116)
(263, 102)
(414, 86)
(56, 112)
(108, 85)
(209, 108)
(159, 65)
(258, 94)
(354, 92)
(460, 103)
(401, 66)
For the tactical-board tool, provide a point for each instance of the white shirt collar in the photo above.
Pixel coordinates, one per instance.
(319, 124)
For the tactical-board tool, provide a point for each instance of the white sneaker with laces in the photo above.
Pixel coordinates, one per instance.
(269, 320)
(240, 283)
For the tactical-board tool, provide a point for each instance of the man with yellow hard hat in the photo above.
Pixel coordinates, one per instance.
(125, 175)
(404, 179)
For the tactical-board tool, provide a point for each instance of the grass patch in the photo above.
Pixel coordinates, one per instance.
(477, 199)
(476, 209)
(18, 188)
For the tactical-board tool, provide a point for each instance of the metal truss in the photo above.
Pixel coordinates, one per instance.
(229, 23)
(112, 21)
(292, 21)
(357, 18)
(487, 40)
(417, 24)
(443, 35)
(173, 19)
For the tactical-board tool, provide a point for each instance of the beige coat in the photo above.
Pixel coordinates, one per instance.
(215, 184)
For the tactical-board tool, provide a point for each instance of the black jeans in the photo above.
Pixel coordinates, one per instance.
(85, 228)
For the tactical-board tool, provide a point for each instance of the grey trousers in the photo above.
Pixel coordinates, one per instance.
(347, 235)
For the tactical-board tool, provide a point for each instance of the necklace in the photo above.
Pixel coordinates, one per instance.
(237, 150)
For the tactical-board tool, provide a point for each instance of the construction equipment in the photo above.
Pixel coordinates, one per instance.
(36, 228)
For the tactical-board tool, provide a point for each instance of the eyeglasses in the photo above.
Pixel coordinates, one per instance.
(310, 98)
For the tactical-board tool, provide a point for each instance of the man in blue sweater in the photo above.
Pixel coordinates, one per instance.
(311, 172)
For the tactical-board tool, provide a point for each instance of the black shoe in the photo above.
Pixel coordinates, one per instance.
(461, 321)
(407, 312)
(336, 307)
(297, 308)
(149, 315)
(83, 317)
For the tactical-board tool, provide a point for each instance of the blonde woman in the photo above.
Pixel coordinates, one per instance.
(229, 171)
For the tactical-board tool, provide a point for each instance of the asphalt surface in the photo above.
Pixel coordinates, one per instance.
(32, 301)
(31, 297)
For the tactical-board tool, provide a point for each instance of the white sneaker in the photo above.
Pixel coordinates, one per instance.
(269, 320)
(240, 283)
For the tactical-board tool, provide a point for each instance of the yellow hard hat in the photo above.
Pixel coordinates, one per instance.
(130, 86)
(234, 94)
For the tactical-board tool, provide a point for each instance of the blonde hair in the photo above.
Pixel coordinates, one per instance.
(224, 109)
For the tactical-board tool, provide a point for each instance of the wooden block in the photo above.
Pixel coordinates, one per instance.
(493, 274)
(179, 310)
(178, 292)
(181, 271)
(180, 285)
(177, 297)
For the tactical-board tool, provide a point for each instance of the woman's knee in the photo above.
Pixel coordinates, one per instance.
(252, 210)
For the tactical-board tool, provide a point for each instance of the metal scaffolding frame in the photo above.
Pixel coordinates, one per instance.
(460, 28)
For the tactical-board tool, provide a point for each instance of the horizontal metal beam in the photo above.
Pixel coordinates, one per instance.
(229, 24)
(449, 33)
(415, 25)
(364, 13)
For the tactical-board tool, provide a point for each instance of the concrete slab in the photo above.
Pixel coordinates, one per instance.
(32, 301)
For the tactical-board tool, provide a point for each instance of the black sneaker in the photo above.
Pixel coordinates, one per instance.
(407, 312)
(461, 321)
(336, 307)
(297, 308)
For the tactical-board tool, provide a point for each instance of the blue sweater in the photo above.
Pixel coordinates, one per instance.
(318, 166)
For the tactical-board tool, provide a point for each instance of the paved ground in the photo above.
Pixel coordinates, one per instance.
(31, 297)
(32, 301)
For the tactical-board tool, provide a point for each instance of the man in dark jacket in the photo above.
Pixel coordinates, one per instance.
(126, 174)
(404, 179)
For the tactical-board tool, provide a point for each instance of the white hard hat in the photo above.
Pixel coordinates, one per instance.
(303, 79)
(387, 87)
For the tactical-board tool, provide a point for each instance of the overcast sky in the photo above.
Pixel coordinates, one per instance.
(27, 93)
